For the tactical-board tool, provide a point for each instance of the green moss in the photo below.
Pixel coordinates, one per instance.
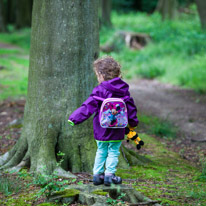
(16, 126)
(100, 192)
(24, 199)
(67, 193)
(167, 178)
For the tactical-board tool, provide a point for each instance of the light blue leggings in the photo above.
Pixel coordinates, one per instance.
(106, 152)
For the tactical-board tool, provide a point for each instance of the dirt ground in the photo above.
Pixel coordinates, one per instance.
(183, 107)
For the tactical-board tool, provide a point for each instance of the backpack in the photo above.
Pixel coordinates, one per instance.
(113, 112)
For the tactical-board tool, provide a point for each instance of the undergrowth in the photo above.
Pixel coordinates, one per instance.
(176, 53)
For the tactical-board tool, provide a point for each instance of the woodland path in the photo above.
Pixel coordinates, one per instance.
(182, 107)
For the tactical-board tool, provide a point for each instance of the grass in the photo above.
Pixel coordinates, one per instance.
(8, 186)
(176, 53)
(14, 63)
(155, 126)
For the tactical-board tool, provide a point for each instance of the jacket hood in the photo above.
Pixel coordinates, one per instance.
(117, 86)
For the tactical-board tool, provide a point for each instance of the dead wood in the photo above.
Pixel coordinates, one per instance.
(132, 40)
(198, 140)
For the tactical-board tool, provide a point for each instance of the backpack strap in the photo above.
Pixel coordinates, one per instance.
(98, 98)
(126, 98)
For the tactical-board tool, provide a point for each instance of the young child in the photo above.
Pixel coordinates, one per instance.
(108, 139)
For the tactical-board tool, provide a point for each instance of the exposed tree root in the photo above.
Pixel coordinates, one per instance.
(63, 173)
(14, 157)
(132, 157)
(20, 166)
(7, 156)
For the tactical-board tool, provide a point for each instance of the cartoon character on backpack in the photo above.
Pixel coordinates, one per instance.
(115, 110)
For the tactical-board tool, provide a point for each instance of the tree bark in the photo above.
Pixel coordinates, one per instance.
(201, 6)
(167, 8)
(23, 13)
(106, 6)
(2, 17)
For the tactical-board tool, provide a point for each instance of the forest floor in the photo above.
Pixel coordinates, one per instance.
(173, 175)
(184, 108)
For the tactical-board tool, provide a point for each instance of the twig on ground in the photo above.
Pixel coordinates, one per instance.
(152, 202)
(198, 140)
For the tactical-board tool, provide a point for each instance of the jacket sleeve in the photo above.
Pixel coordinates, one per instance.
(132, 113)
(85, 110)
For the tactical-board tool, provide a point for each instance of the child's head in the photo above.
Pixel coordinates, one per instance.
(106, 68)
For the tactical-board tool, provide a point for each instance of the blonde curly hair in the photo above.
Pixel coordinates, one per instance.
(107, 67)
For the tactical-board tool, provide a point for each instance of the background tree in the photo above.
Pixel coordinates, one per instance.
(2, 17)
(10, 10)
(201, 6)
(105, 10)
(167, 8)
(23, 13)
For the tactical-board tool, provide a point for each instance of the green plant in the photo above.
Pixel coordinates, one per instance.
(47, 183)
(60, 157)
(117, 201)
(202, 177)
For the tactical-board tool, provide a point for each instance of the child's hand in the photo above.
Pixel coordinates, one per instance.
(71, 123)
(131, 128)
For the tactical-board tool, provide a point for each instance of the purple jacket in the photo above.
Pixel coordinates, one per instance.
(107, 89)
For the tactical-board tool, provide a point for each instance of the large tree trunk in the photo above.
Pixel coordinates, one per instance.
(106, 6)
(201, 6)
(167, 8)
(2, 17)
(64, 43)
(23, 13)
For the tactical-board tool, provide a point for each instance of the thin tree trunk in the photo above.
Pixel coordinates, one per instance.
(23, 13)
(2, 17)
(201, 6)
(11, 11)
(167, 8)
(106, 12)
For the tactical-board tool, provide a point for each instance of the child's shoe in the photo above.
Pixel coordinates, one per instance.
(98, 179)
(112, 179)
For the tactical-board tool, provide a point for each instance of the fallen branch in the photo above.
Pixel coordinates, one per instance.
(198, 140)
(152, 202)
